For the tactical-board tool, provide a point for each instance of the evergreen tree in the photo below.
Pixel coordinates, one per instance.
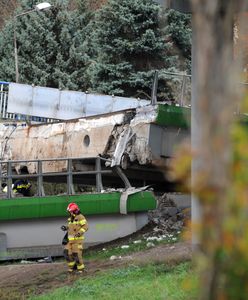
(81, 47)
(178, 27)
(114, 50)
(7, 62)
(50, 47)
(129, 46)
(177, 32)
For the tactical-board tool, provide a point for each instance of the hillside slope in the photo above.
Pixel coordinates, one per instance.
(18, 281)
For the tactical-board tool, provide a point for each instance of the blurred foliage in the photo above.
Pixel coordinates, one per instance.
(223, 253)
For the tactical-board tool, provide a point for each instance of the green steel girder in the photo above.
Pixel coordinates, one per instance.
(174, 116)
(90, 204)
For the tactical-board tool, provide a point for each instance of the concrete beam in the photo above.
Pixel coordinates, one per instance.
(24, 239)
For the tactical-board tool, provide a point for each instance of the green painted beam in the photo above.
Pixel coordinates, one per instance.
(90, 204)
(174, 116)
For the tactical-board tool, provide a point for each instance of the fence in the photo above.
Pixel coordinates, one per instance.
(70, 173)
(180, 86)
(4, 101)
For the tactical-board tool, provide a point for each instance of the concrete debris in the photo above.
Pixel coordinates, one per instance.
(128, 143)
(45, 260)
(109, 190)
(121, 146)
(168, 217)
(26, 262)
(114, 257)
(137, 242)
(149, 245)
(124, 247)
(154, 238)
(146, 114)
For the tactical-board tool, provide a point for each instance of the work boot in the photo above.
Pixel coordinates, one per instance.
(82, 271)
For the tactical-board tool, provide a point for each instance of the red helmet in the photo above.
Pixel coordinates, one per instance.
(72, 207)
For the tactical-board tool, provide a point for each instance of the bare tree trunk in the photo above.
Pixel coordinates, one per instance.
(213, 106)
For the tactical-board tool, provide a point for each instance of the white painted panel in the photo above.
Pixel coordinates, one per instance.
(97, 104)
(45, 102)
(124, 103)
(20, 98)
(72, 105)
(45, 232)
(64, 105)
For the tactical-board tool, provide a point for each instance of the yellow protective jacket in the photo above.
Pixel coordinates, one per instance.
(77, 226)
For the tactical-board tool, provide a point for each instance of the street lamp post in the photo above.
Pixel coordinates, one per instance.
(38, 7)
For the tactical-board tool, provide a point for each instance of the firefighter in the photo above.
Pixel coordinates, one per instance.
(77, 226)
(22, 186)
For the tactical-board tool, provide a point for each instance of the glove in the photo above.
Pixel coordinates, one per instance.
(63, 227)
(78, 234)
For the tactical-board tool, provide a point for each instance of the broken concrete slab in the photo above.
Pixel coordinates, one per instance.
(140, 141)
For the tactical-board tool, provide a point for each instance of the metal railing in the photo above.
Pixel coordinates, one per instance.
(7, 176)
(180, 86)
(4, 101)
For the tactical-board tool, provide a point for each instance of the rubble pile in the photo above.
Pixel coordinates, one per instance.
(168, 217)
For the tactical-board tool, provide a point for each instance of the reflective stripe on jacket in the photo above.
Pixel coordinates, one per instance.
(77, 225)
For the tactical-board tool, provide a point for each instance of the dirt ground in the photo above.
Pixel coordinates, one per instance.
(18, 281)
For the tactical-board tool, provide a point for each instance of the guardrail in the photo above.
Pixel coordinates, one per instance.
(7, 176)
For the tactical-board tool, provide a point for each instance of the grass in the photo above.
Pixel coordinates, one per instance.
(134, 282)
(117, 250)
(153, 282)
